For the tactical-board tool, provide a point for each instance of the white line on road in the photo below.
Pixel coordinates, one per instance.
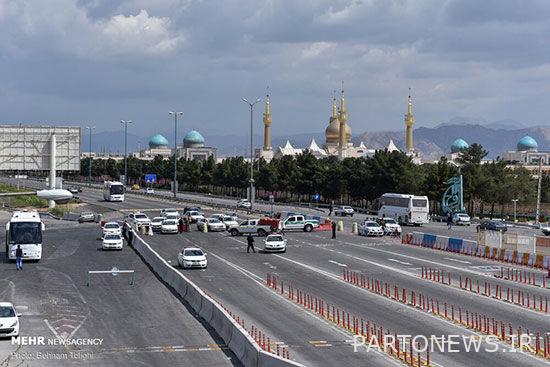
(337, 263)
(458, 261)
(270, 266)
(400, 262)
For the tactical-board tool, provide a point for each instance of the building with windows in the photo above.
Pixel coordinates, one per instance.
(528, 156)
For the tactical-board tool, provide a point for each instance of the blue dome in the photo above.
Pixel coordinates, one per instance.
(193, 137)
(527, 143)
(458, 145)
(158, 141)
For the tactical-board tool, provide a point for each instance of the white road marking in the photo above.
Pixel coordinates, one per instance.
(458, 261)
(337, 263)
(399, 262)
(270, 266)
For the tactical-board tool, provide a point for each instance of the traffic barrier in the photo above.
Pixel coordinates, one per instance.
(478, 322)
(341, 225)
(354, 228)
(228, 328)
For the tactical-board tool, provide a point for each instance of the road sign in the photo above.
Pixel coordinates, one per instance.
(271, 198)
(150, 178)
(316, 197)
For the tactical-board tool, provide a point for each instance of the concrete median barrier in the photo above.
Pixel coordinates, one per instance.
(234, 335)
(244, 347)
(266, 359)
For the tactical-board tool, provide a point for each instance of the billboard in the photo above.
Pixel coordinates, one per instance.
(28, 148)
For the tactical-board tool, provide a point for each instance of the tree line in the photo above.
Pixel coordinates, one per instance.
(356, 181)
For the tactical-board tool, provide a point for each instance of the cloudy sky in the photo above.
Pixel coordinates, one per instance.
(98, 61)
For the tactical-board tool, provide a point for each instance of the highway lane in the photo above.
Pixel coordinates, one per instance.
(144, 324)
(390, 314)
(261, 272)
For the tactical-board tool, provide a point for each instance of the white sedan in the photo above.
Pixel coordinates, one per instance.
(213, 225)
(275, 243)
(156, 223)
(9, 320)
(111, 228)
(192, 257)
(370, 228)
(194, 216)
(112, 242)
(244, 204)
(169, 226)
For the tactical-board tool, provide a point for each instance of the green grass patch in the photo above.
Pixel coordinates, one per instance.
(21, 201)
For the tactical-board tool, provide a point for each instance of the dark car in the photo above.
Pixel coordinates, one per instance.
(193, 208)
(492, 225)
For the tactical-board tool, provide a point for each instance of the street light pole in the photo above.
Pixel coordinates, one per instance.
(90, 159)
(175, 184)
(251, 105)
(125, 122)
(515, 201)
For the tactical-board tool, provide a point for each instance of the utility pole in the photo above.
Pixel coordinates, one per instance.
(515, 202)
(251, 194)
(90, 159)
(538, 192)
(175, 184)
(125, 122)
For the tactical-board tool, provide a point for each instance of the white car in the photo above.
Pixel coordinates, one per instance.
(370, 228)
(169, 226)
(138, 218)
(156, 223)
(169, 212)
(194, 216)
(390, 226)
(545, 230)
(213, 225)
(227, 220)
(275, 243)
(344, 210)
(149, 190)
(461, 219)
(9, 320)
(111, 228)
(244, 204)
(112, 242)
(192, 257)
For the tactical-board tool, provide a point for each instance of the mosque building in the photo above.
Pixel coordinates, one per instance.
(193, 147)
(458, 146)
(158, 145)
(527, 155)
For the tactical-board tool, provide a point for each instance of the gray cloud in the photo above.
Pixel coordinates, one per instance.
(75, 61)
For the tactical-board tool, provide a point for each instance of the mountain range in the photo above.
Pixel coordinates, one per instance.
(431, 142)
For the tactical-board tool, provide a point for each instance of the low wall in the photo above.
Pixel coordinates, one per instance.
(520, 252)
(233, 334)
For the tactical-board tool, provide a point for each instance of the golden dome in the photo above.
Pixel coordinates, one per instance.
(332, 132)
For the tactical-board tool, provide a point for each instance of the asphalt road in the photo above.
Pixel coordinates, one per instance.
(139, 325)
(314, 263)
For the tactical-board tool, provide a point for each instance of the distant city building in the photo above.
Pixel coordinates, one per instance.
(457, 146)
(158, 146)
(527, 155)
(338, 137)
(193, 147)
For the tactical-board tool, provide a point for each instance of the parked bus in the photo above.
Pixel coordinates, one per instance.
(113, 191)
(24, 229)
(405, 209)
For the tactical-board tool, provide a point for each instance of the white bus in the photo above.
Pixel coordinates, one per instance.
(113, 191)
(405, 209)
(24, 229)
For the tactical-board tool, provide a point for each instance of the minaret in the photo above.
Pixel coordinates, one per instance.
(267, 125)
(334, 108)
(409, 121)
(342, 118)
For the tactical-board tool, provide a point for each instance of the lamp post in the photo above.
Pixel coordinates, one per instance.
(251, 105)
(515, 202)
(125, 122)
(90, 160)
(175, 184)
